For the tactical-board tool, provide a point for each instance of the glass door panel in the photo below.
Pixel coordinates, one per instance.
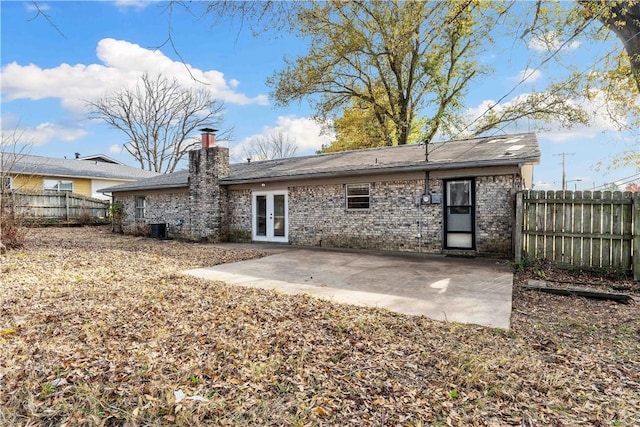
(261, 215)
(270, 216)
(459, 214)
(278, 215)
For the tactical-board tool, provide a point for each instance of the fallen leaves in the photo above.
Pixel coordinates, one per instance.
(108, 332)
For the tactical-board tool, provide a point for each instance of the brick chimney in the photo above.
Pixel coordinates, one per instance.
(208, 137)
(207, 198)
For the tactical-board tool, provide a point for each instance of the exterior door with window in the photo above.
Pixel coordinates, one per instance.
(270, 216)
(459, 214)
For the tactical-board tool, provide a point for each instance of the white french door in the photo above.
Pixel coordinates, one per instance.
(269, 216)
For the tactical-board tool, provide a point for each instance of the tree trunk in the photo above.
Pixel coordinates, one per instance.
(628, 33)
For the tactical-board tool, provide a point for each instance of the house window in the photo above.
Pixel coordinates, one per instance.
(7, 183)
(54, 185)
(140, 203)
(358, 196)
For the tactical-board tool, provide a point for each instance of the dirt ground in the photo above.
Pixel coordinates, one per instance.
(102, 329)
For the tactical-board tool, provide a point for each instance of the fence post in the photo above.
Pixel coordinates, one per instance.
(517, 227)
(66, 202)
(635, 208)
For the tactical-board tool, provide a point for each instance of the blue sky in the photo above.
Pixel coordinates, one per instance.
(46, 76)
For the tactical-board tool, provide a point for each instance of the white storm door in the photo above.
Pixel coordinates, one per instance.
(269, 216)
(459, 217)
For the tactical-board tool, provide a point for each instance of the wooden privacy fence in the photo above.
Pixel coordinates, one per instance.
(595, 230)
(56, 206)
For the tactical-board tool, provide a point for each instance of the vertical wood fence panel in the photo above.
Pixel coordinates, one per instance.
(598, 230)
(57, 206)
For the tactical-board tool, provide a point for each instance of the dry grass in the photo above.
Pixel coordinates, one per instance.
(102, 329)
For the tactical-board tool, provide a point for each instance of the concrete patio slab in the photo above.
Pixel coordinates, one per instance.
(464, 290)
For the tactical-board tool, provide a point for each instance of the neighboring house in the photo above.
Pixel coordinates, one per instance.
(462, 200)
(82, 175)
(98, 158)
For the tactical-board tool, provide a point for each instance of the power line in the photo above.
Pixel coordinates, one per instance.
(622, 181)
(531, 72)
(526, 76)
(564, 84)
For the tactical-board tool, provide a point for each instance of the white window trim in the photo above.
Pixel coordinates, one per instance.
(347, 197)
(142, 208)
(57, 184)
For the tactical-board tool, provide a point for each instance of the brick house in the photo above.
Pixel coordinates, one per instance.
(462, 199)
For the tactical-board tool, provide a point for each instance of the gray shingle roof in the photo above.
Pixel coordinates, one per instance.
(169, 180)
(475, 152)
(51, 166)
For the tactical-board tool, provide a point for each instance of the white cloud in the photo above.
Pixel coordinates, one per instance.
(528, 75)
(599, 121)
(47, 131)
(136, 4)
(544, 185)
(306, 132)
(124, 62)
(551, 41)
(35, 8)
(115, 149)
(475, 113)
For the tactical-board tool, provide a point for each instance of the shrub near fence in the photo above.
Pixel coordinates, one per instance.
(55, 207)
(595, 230)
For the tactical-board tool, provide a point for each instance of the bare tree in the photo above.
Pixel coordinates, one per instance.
(275, 145)
(158, 115)
(12, 150)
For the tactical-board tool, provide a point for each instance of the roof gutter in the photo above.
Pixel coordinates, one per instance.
(150, 187)
(70, 176)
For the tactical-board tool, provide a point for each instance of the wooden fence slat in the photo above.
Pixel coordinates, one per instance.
(517, 235)
(596, 250)
(616, 229)
(587, 224)
(582, 229)
(546, 243)
(627, 229)
(557, 226)
(576, 229)
(540, 212)
(606, 229)
(58, 206)
(531, 224)
(636, 236)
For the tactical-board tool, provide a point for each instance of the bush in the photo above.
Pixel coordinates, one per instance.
(11, 231)
(85, 216)
(116, 213)
(240, 236)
